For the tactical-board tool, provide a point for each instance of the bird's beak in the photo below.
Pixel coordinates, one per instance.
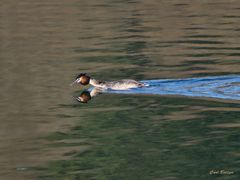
(74, 82)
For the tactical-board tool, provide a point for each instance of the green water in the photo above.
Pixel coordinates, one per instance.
(149, 138)
(47, 135)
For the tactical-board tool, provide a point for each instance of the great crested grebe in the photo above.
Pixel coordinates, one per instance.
(124, 84)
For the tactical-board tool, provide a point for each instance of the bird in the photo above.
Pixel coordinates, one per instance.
(124, 84)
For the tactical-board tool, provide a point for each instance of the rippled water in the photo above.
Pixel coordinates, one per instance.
(46, 134)
(218, 87)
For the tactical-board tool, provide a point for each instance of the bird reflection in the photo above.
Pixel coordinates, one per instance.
(87, 95)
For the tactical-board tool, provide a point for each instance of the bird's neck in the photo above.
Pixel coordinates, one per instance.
(96, 83)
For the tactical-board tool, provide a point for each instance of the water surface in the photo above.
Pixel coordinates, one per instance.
(46, 134)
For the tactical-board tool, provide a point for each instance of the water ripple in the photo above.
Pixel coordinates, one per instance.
(223, 87)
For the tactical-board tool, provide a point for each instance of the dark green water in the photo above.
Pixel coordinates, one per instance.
(47, 135)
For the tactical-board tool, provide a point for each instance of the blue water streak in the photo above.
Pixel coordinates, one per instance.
(223, 87)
